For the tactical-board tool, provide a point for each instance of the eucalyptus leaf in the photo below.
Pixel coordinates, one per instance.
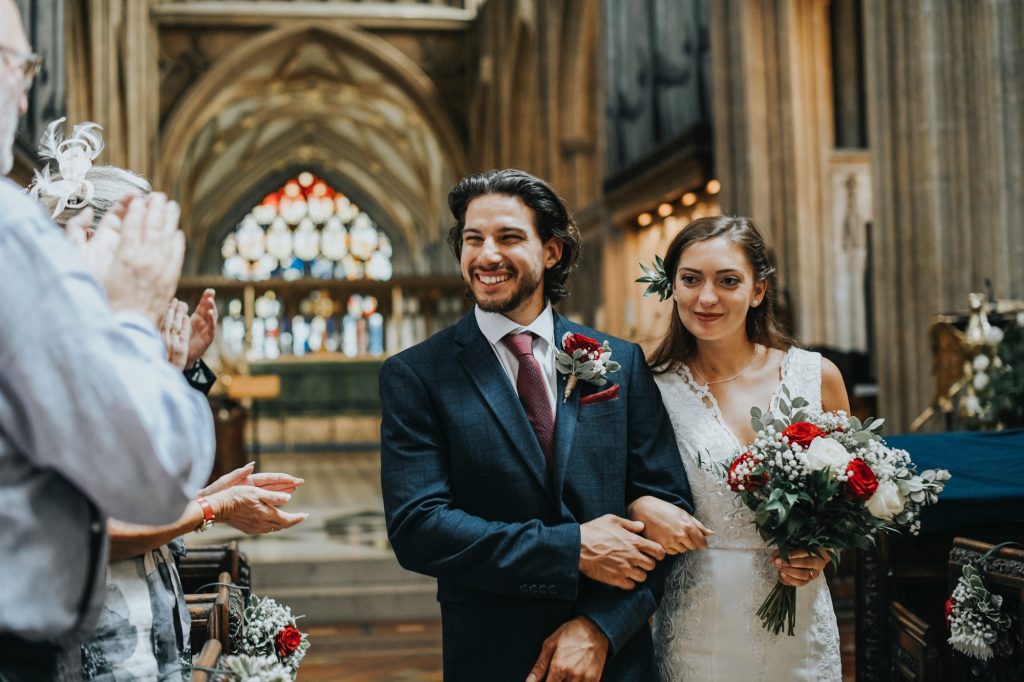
(755, 412)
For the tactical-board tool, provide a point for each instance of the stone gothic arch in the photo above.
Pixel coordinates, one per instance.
(325, 96)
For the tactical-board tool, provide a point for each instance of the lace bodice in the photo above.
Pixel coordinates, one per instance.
(706, 628)
(703, 437)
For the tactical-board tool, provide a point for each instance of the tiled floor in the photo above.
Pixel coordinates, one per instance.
(342, 494)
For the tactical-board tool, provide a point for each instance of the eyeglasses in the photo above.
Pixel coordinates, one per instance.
(27, 63)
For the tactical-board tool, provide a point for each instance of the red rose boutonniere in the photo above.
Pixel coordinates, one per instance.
(582, 357)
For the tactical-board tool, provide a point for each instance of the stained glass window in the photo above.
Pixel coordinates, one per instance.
(307, 229)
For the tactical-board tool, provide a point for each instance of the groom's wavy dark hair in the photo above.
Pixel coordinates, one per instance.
(550, 213)
(763, 323)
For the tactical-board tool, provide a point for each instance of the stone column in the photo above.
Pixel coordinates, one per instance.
(773, 131)
(945, 91)
(115, 79)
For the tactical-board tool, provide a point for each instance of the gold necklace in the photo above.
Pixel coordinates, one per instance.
(757, 351)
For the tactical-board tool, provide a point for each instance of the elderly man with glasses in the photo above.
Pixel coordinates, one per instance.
(94, 422)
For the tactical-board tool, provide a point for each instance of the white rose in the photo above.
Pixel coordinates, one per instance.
(973, 405)
(981, 362)
(825, 453)
(886, 502)
(980, 381)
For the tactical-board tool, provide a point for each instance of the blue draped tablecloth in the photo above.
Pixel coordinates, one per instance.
(988, 476)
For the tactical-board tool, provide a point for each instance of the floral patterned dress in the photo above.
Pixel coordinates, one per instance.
(707, 629)
(143, 629)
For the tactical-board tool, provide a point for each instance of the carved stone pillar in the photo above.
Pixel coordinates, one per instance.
(115, 78)
(773, 134)
(945, 92)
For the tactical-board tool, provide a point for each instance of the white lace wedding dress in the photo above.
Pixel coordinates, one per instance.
(707, 629)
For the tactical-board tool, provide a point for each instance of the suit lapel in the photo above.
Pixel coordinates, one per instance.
(480, 362)
(566, 415)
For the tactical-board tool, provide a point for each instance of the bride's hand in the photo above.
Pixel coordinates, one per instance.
(668, 525)
(802, 568)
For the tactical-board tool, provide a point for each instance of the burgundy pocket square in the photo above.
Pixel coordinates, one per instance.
(601, 396)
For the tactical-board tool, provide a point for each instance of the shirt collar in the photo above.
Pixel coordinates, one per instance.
(496, 326)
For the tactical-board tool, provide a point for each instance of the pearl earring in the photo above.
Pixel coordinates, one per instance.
(756, 301)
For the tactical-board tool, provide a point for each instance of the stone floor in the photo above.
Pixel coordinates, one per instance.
(368, 620)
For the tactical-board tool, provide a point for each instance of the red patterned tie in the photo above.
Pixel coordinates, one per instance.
(533, 390)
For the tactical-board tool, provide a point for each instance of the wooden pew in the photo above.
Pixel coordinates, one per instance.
(206, 658)
(217, 615)
(202, 566)
(915, 647)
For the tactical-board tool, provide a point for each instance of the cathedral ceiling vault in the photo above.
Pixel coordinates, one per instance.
(312, 94)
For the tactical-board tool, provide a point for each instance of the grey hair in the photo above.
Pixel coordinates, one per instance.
(110, 183)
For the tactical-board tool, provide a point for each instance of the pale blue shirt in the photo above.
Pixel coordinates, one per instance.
(94, 422)
(496, 326)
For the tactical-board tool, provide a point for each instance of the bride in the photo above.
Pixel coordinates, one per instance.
(725, 352)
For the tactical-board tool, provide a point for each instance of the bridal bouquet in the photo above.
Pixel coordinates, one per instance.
(270, 632)
(824, 482)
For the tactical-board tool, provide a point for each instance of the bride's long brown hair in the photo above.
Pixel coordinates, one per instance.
(763, 324)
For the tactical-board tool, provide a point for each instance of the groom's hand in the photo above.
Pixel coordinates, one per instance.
(575, 652)
(613, 552)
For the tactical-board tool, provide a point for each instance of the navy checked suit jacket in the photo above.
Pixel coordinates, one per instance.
(471, 501)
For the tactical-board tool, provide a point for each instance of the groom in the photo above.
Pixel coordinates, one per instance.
(511, 495)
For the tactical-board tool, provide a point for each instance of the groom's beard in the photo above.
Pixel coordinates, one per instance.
(528, 284)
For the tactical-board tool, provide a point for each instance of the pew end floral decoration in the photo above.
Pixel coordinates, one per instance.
(270, 631)
(979, 626)
(823, 482)
(253, 669)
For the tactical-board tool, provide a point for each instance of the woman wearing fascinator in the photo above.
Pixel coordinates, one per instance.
(725, 351)
(143, 629)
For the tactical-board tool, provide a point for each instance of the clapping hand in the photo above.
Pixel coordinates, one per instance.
(175, 330)
(97, 247)
(203, 325)
(249, 502)
(144, 270)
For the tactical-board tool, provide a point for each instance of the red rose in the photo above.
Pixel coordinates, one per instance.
(802, 433)
(860, 479)
(574, 342)
(288, 640)
(949, 610)
(741, 473)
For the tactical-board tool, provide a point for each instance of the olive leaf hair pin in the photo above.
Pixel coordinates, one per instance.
(656, 280)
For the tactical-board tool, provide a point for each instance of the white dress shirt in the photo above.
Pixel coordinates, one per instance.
(496, 326)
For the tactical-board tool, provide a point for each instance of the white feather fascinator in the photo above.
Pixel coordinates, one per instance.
(74, 156)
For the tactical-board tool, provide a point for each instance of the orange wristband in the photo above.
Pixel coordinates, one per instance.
(207, 514)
